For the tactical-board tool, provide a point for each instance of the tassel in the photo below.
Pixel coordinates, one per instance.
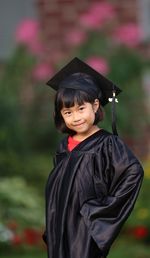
(114, 100)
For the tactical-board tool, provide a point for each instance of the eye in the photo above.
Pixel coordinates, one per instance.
(67, 113)
(81, 108)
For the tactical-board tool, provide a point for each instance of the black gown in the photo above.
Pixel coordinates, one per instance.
(89, 195)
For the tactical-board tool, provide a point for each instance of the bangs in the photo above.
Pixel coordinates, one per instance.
(69, 97)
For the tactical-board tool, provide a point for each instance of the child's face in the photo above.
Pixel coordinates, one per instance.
(80, 118)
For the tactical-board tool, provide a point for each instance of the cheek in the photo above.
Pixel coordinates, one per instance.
(91, 117)
(66, 120)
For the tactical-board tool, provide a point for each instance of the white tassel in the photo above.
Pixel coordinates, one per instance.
(111, 99)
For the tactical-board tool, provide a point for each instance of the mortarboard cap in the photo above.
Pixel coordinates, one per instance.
(105, 86)
(73, 75)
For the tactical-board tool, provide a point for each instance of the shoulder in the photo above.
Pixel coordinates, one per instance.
(121, 153)
(114, 141)
(109, 140)
(115, 146)
(118, 146)
(62, 146)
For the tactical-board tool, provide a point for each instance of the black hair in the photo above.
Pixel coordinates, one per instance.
(68, 98)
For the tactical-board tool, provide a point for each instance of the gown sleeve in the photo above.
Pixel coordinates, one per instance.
(56, 159)
(44, 235)
(105, 215)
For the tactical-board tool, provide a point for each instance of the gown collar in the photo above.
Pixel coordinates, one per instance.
(89, 141)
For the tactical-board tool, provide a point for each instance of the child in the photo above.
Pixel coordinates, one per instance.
(96, 178)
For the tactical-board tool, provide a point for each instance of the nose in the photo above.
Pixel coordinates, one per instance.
(76, 117)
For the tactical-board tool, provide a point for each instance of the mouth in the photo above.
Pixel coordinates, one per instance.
(76, 125)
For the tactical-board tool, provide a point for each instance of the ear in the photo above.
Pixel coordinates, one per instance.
(96, 105)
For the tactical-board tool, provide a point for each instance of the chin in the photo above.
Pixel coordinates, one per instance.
(82, 131)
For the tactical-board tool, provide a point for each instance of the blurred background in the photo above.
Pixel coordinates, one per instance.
(37, 37)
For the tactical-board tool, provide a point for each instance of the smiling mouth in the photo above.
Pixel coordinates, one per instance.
(79, 124)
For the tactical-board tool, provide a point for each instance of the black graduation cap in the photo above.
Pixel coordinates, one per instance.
(64, 79)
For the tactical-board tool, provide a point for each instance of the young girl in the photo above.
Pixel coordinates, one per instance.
(96, 178)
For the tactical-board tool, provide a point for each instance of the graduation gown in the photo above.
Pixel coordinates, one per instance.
(89, 194)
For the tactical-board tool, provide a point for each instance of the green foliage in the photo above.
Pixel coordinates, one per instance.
(126, 64)
(19, 202)
(124, 248)
(25, 254)
(129, 111)
(33, 167)
(13, 78)
(25, 159)
(97, 45)
(16, 71)
(141, 213)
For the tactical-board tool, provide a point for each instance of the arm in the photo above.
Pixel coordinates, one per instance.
(44, 235)
(105, 216)
(59, 155)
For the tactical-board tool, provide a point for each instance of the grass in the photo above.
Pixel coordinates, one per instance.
(125, 248)
(122, 248)
(26, 255)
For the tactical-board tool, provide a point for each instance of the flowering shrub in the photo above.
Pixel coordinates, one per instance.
(97, 15)
(138, 225)
(76, 37)
(99, 64)
(28, 34)
(138, 233)
(20, 203)
(18, 237)
(127, 34)
(5, 234)
(42, 71)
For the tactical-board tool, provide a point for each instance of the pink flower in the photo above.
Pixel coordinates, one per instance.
(90, 21)
(75, 37)
(105, 11)
(97, 15)
(128, 34)
(42, 71)
(99, 64)
(27, 32)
